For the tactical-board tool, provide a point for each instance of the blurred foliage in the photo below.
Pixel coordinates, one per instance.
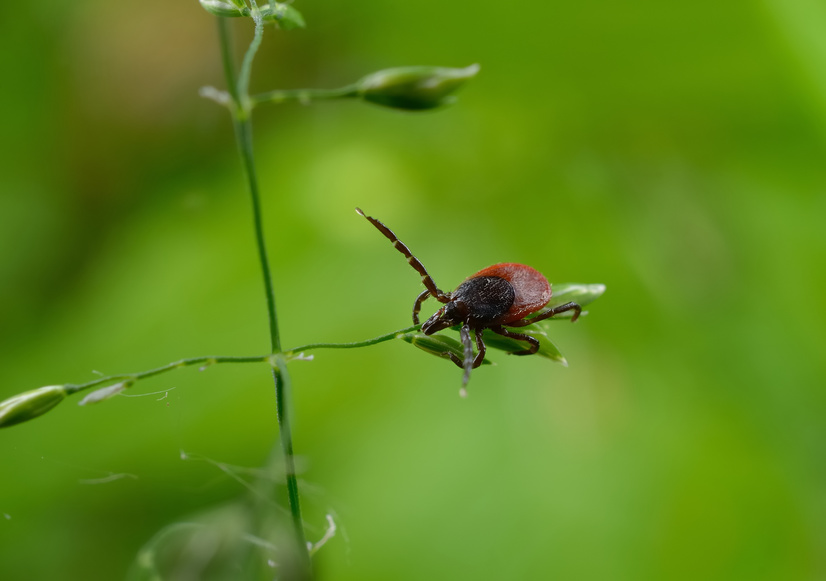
(673, 152)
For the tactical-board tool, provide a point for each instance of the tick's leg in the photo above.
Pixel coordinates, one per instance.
(480, 346)
(468, 355)
(550, 313)
(519, 337)
(477, 361)
(469, 361)
(412, 260)
(456, 360)
(417, 306)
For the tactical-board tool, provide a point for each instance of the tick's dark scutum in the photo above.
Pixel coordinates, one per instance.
(487, 297)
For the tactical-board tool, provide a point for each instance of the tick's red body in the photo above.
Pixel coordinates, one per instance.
(497, 296)
(531, 289)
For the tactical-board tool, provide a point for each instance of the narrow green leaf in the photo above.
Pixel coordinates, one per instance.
(547, 348)
(582, 294)
(438, 344)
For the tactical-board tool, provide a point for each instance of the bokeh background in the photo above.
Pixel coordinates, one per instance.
(672, 152)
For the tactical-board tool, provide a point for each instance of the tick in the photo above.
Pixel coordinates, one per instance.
(496, 297)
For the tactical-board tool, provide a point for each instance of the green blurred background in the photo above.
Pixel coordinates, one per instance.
(673, 152)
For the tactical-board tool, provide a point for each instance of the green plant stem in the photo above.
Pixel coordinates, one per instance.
(246, 65)
(226, 57)
(353, 345)
(208, 360)
(283, 396)
(243, 131)
(304, 95)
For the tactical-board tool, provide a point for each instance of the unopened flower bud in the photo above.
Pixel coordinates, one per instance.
(230, 9)
(30, 404)
(414, 88)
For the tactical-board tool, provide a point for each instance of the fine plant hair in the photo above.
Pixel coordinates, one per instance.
(406, 88)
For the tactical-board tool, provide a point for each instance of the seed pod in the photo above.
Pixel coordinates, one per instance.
(30, 404)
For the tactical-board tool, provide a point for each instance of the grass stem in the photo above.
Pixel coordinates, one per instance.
(242, 122)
